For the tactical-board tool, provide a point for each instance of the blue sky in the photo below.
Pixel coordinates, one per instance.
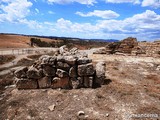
(100, 19)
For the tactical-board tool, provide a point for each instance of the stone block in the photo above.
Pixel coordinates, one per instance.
(86, 69)
(61, 83)
(21, 72)
(84, 61)
(49, 70)
(88, 82)
(45, 82)
(26, 84)
(61, 73)
(73, 71)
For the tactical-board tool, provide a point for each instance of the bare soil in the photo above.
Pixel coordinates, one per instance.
(132, 87)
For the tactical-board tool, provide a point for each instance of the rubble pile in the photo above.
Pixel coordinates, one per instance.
(130, 46)
(127, 45)
(70, 69)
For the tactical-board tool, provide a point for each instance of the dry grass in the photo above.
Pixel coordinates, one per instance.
(17, 41)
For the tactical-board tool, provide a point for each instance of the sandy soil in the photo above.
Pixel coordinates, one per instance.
(132, 87)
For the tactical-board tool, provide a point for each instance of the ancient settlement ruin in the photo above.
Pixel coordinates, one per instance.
(66, 70)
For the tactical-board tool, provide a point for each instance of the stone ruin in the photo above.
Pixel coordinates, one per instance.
(130, 46)
(68, 70)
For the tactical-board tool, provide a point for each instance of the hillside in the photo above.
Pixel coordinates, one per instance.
(14, 41)
(23, 41)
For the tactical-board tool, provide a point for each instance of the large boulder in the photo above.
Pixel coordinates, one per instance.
(21, 72)
(26, 84)
(61, 73)
(45, 82)
(100, 73)
(86, 69)
(61, 83)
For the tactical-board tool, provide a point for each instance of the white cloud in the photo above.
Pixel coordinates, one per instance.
(152, 3)
(144, 26)
(31, 23)
(51, 12)
(37, 11)
(87, 2)
(124, 1)
(106, 14)
(68, 26)
(14, 9)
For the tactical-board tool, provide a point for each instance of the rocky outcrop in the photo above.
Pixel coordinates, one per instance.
(62, 71)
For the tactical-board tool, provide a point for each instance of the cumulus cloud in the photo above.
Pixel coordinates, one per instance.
(152, 3)
(106, 14)
(146, 24)
(124, 1)
(87, 2)
(14, 9)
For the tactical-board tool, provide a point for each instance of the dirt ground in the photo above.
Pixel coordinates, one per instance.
(132, 88)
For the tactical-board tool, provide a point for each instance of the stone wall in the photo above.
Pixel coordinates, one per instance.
(62, 71)
(150, 48)
(131, 46)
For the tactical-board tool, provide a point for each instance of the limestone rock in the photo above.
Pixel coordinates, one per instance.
(88, 82)
(33, 73)
(45, 82)
(74, 51)
(80, 80)
(70, 60)
(86, 69)
(61, 73)
(50, 60)
(63, 66)
(49, 70)
(21, 72)
(75, 83)
(101, 50)
(26, 84)
(73, 72)
(60, 83)
(84, 61)
(63, 49)
(52, 107)
(100, 72)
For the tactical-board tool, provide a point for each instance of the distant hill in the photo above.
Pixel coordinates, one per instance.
(8, 40)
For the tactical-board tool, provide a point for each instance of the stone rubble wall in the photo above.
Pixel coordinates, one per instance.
(130, 46)
(150, 48)
(62, 71)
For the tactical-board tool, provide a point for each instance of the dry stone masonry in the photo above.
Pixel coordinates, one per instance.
(130, 46)
(67, 70)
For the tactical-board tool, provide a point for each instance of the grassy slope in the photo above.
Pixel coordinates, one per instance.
(14, 41)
